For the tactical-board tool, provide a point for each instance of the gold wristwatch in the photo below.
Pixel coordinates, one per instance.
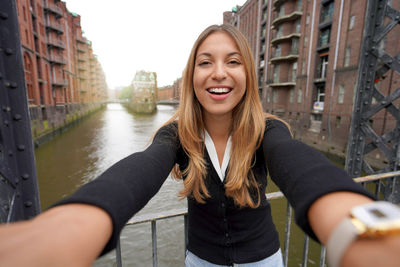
(372, 220)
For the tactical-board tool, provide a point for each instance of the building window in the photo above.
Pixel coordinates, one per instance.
(298, 26)
(278, 50)
(327, 12)
(303, 67)
(338, 121)
(341, 94)
(281, 11)
(324, 37)
(347, 57)
(299, 95)
(294, 72)
(322, 66)
(320, 96)
(295, 46)
(291, 95)
(279, 32)
(299, 5)
(274, 96)
(24, 12)
(351, 23)
(276, 74)
(27, 36)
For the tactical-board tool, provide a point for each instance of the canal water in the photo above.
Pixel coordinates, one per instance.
(86, 150)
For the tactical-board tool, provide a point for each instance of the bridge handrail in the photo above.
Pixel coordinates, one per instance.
(154, 217)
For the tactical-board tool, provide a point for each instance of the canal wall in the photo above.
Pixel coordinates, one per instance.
(50, 121)
(141, 108)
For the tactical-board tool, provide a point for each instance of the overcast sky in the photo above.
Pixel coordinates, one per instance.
(150, 35)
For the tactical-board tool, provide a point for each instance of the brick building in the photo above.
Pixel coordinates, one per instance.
(63, 77)
(307, 55)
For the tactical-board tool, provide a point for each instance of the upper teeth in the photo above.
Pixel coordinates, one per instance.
(219, 90)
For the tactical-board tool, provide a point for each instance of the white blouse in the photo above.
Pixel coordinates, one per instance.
(214, 157)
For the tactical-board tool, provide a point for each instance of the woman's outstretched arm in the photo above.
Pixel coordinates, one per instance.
(328, 211)
(68, 235)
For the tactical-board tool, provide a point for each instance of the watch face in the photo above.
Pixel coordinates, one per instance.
(379, 215)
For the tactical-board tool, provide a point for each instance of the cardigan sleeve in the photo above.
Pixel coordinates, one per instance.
(127, 186)
(302, 173)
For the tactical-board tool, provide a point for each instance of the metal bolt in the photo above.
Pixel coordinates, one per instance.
(6, 207)
(356, 172)
(360, 138)
(25, 176)
(3, 15)
(13, 85)
(21, 147)
(7, 83)
(6, 123)
(10, 153)
(16, 181)
(17, 117)
(28, 204)
(8, 51)
(383, 102)
(365, 102)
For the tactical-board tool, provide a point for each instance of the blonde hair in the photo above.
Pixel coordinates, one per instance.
(247, 130)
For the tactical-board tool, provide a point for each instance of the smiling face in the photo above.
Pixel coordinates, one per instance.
(219, 77)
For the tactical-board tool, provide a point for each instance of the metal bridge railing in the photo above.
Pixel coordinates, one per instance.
(376, 179)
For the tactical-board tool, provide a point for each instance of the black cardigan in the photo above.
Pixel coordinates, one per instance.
(219, 231)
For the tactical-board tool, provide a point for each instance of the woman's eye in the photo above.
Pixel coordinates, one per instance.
(234, 62)
(203, 63)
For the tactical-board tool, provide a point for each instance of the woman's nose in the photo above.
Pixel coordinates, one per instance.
(219, 72)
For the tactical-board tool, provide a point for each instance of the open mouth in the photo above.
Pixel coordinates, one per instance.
(219, 91)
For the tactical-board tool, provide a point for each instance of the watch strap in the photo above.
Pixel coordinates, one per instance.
(342, 236)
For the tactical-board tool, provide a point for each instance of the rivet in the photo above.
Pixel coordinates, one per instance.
(6, 207)
(358, 153)
(21, 147)
(10, 153)
(6, 123)
(8, 51)
(365, 102)
(13, 85)
(28, 204)
(6, 109)
(356, 172)
(383, 102)
(360, 138)
(17, 117)
(3, 15)
(358, 159)
(25, 176)
(16, 181)
(17, 194)
(7, 83)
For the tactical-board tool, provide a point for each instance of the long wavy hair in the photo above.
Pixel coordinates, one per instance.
(248, 125)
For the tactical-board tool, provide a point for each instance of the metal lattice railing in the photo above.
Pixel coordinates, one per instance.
(153, 218)
(378, 62)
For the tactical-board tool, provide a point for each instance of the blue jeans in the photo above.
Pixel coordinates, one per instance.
(275, 260)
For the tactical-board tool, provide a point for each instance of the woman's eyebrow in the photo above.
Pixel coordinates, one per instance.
(209, 54)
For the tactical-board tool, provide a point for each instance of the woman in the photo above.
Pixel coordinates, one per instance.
(221, 144)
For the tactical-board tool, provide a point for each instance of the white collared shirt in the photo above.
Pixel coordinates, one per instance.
(221, 170)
